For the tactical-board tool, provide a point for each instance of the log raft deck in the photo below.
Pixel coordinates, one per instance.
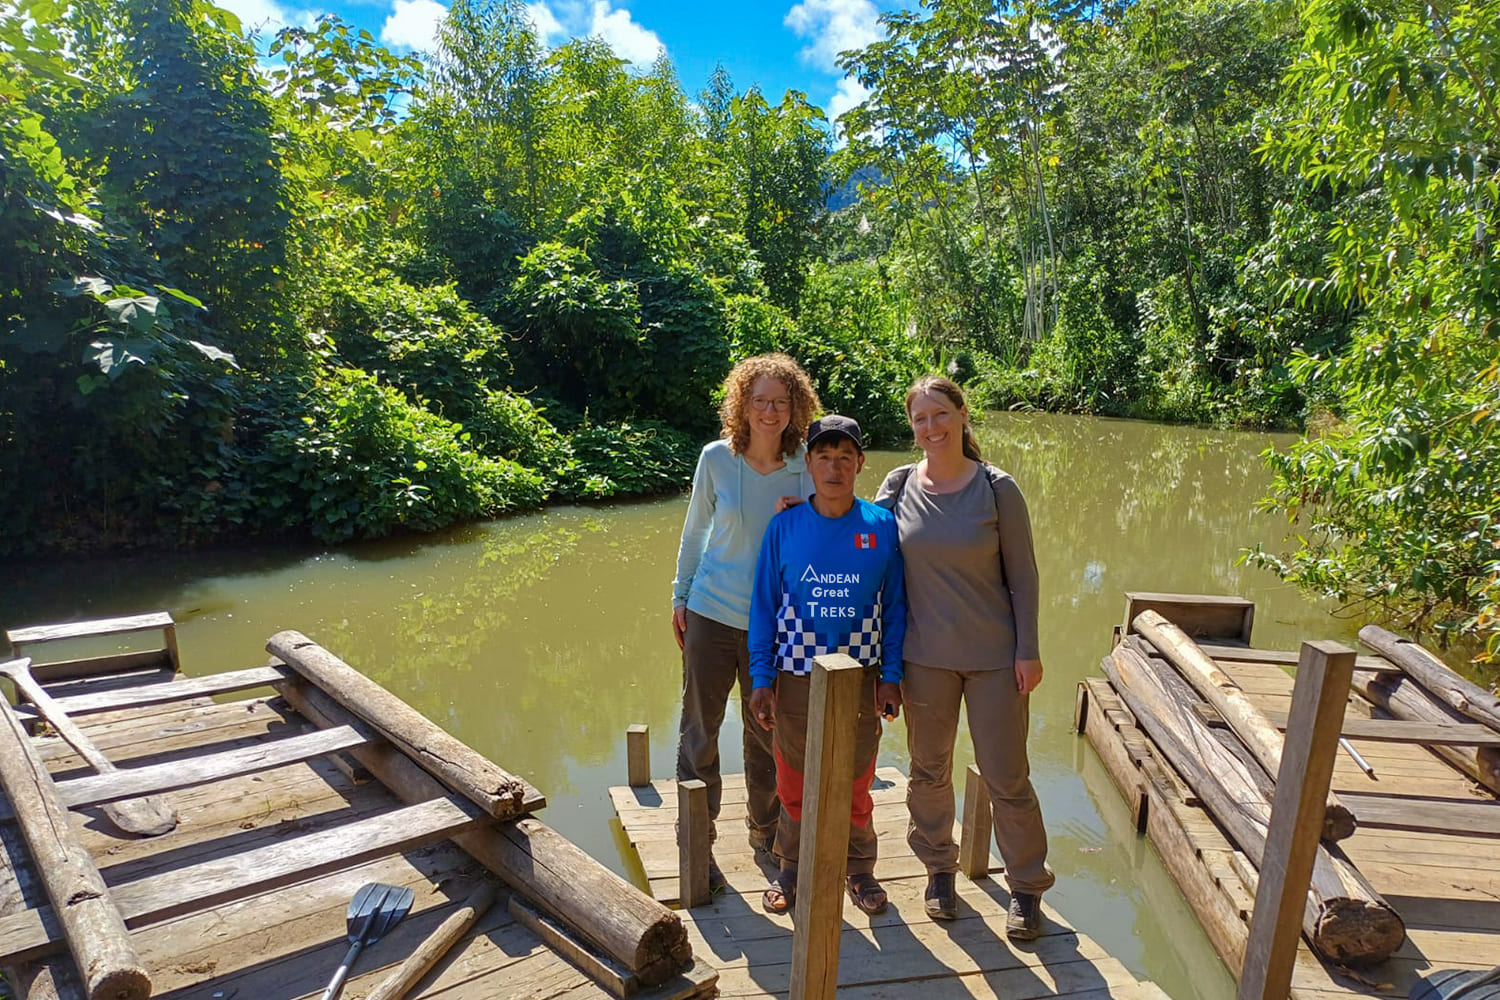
(1428, 836)
(900, 953)
(285, 805)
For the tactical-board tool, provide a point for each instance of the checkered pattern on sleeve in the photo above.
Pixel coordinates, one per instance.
(796, 644)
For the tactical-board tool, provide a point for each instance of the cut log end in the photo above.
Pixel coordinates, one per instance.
(121, 984)
(1338, 823)
(1358, 931)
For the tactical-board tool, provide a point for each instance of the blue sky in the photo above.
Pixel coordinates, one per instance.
(778, 45)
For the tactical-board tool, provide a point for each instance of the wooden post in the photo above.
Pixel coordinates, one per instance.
(974, 846)
(1313, 725)
(827, 795)
(1081, 707)
(638, 754)
(106, 960)
(692, 843)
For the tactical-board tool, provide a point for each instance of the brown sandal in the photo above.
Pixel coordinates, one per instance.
(781, 895)
(867, 893)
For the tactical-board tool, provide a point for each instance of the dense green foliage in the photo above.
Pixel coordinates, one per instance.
(358, 293)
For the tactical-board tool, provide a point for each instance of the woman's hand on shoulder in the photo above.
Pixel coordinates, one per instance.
(679, 623)
(786, 503)
(1028, 675)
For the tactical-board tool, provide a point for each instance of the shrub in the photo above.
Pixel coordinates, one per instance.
(628, 459)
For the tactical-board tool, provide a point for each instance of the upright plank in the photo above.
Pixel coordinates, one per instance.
(94, 928)
(638, 754)
(974, 844)
(1202, 616)
(36, 634)
(1302, 783)
(692, 842)
(828, 794)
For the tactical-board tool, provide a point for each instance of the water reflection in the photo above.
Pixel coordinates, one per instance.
(538, 639)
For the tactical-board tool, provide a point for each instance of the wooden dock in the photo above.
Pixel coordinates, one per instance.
(1428, 837)
(900, 953)
(276, 828)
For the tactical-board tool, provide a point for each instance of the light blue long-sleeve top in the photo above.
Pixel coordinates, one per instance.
(726, 519)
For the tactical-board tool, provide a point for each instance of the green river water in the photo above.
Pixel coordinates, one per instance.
(540, 638)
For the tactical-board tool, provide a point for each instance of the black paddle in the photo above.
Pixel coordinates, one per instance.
(375, 909)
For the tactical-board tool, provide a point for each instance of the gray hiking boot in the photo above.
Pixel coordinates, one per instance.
(1024, 921)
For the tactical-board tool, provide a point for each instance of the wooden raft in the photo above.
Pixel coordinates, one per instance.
(277, 828)
(1428, 838)
(900, 953)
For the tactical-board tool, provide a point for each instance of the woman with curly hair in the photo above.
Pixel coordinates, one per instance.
(768, 403)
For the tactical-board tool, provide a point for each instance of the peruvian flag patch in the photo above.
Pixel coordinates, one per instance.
(862, 541)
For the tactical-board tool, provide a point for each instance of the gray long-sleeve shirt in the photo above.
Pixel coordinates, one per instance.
(971, 579)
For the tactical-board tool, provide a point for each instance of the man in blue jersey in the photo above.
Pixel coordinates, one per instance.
(828, 580)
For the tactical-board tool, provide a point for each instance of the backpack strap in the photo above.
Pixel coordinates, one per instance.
(904, 472)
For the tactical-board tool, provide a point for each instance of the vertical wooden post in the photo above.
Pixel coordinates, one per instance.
(169, 637)
(692, 843)
(827, 795)
(974, 843)
(638, 754)
(1313, 724)
(1081, 708)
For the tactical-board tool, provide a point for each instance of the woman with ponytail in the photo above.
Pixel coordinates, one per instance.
(971, 638)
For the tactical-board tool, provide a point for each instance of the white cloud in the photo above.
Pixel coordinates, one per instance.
(832, 26)
(268, 16)
(630, 41)
(849, 93)
(549, 29)
(413, 24)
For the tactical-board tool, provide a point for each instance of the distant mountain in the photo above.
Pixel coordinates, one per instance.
(848, 192)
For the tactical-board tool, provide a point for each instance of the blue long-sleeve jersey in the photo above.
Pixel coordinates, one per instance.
(827, 585)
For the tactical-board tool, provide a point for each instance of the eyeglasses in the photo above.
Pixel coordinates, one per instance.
(766, 405)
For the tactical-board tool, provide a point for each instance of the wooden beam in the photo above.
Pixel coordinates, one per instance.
(159, 694)
(615, 917)
(1233, 705)
(36, 634)
(638, 754)
(238, 876)
(1435, 676)
(827, 797)
(1396, 812)
(454, 763)
(93, 666)
(600, 970)
(92, 926)
(1202, 616)
(1455, 734)
(128, 783)
(1284, 657)
(974, 841)
(692, 843)
(1297, 815)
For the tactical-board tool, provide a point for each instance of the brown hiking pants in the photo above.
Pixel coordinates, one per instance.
(998, 722)
(714, 657)
(790, 744)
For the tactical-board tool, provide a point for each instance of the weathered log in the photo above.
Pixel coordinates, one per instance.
(610, 914)
(456, 765)
(95, 931)
(1221, 691)
(1405, 699)
(1345, 918)
(1434, 675)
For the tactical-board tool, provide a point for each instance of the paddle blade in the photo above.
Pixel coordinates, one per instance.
(375, 909)
(1458, 984)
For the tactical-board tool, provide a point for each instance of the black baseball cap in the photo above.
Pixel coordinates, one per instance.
(833, 424)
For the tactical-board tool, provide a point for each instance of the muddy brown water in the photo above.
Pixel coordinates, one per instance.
(538, 639)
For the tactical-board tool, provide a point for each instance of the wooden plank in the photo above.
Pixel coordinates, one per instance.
(828, 792)
(1283, 657)
(974, 842)
(90, 921)
(602, 971)
(692, 842)
(1202, 616)
(34, 634)
(24, 936)
(1402, 731)
(94, 666)
(1297, 818)
(1391, 812)
(638, 754)
(157, 694)
(203, 770)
